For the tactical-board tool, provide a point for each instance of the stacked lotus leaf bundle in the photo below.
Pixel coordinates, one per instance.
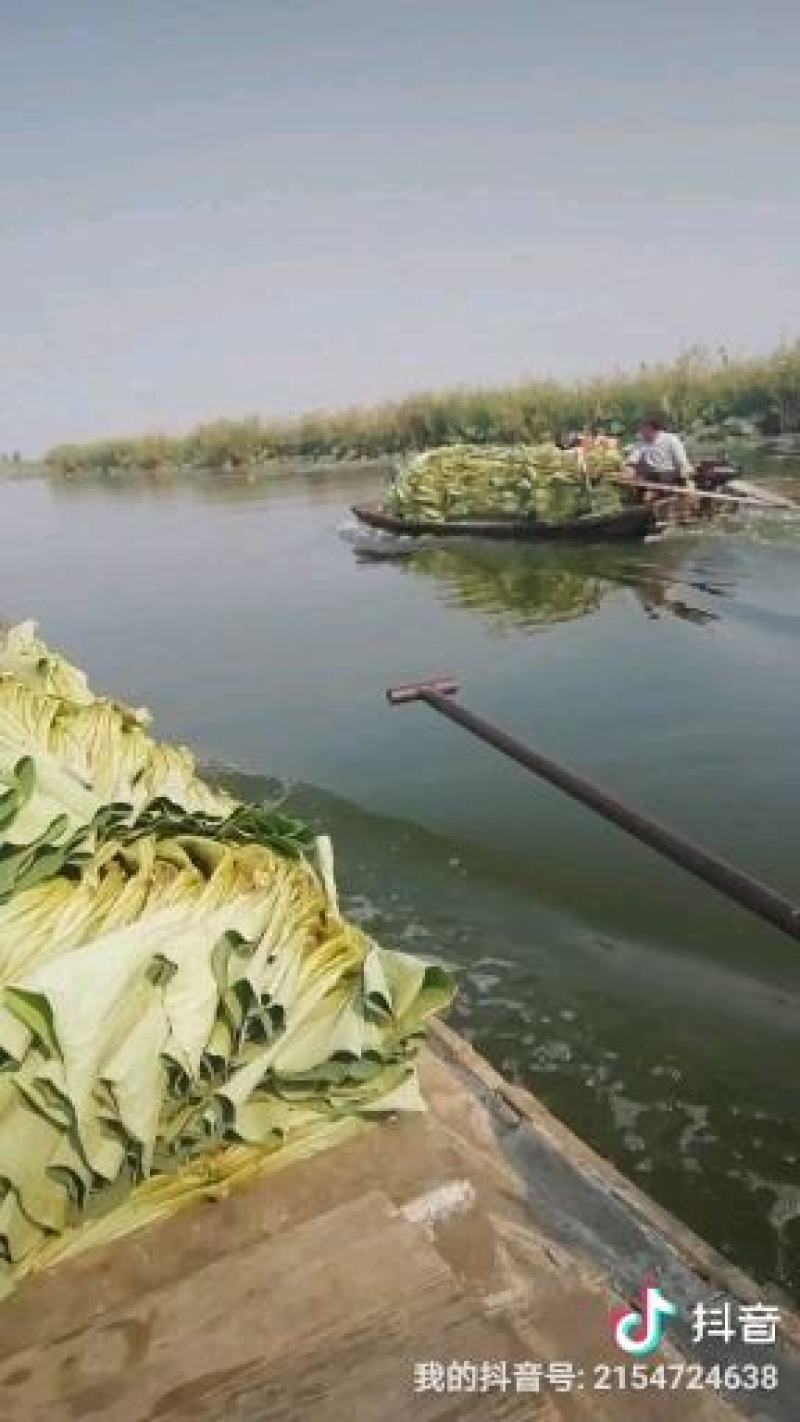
(538, 481)
(182, 1003)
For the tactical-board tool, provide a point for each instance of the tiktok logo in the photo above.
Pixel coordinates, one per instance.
(639, 1331)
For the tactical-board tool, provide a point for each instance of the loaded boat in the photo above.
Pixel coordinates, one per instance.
(635, 519)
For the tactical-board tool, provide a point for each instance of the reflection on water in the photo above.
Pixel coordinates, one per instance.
(528, 586)
(241, 486)
(516, 587)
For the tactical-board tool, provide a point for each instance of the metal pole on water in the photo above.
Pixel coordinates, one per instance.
(759, 898)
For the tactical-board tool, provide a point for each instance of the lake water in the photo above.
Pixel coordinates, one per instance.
(658, 1020)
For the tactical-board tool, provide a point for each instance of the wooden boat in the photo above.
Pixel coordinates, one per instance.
(634, 521)
(719, 489)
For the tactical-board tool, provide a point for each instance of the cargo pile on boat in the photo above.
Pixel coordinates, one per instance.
(536, 481)
(182, 1003)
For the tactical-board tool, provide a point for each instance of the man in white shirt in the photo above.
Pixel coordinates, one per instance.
(661, 457)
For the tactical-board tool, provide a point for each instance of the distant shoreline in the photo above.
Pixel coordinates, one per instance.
(772, 447)
(273, 468)
(711, 398)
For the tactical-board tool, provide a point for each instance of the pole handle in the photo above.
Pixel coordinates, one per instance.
(420, 690)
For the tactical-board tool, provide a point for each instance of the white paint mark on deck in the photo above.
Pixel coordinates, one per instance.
(433, 1208)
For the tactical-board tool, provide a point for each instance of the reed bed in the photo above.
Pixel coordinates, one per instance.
(704, 394)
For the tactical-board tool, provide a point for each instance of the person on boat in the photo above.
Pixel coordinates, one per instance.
(661, 457)
(586, 442)
(587, 439)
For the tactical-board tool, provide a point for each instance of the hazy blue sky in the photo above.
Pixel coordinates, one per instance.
(274, 205)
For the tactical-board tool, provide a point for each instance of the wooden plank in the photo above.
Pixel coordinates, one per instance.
(399, 1159)
(313, 1292)
(327, 1320)
(238, 1313)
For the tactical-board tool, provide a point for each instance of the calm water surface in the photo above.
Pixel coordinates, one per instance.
(659, 1021)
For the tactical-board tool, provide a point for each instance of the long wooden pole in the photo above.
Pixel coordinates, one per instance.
(759, 898)
(688, 493)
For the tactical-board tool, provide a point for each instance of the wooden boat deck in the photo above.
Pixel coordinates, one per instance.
(481, 1231)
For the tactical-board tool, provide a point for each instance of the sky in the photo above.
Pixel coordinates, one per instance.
(272, 206)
